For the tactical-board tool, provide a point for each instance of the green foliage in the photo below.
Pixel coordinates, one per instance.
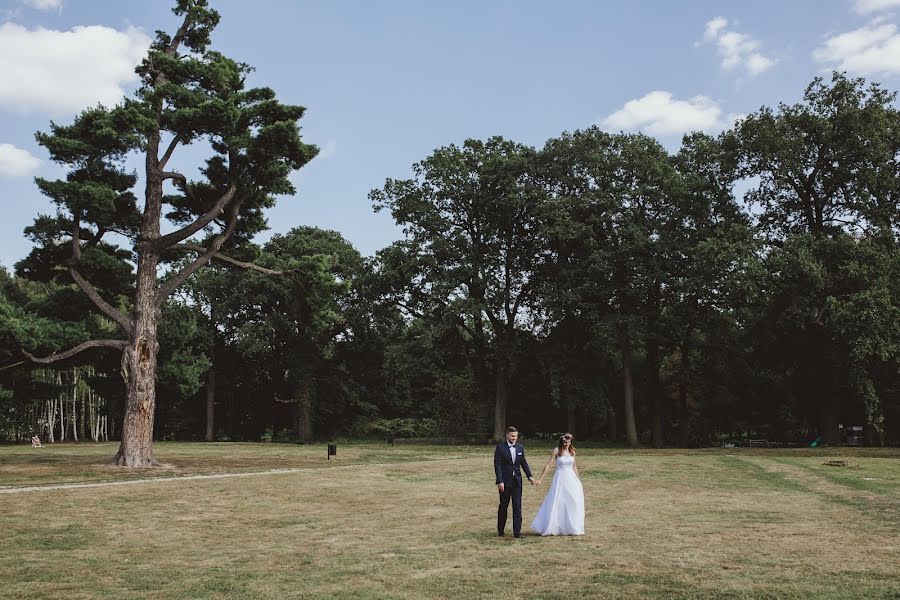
(401, 428)
(552, 272)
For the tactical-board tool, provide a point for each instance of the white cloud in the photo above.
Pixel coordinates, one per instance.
(15, 162)
(871, 49)
(328, 150)
(757, 63)
(45, 4)
(66, 71)
(865, 7)
(713, 27)
(658, 113)
(736, 49)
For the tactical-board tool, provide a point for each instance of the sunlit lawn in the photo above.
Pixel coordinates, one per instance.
(417, 521)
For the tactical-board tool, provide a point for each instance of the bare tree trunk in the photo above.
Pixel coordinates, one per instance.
(500, 401)
(83, 411)
(684, 417)
(305, 415)
(570, 414)
(211, 403)
(829, 417)
(62, 407)
(628, 384)
(611, 433)
(655, 391)
(51, 419)
(74, 412)
(95, 418)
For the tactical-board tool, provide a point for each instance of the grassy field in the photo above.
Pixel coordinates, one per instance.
(417, 521)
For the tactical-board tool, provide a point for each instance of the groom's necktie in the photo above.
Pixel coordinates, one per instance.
(512, 453)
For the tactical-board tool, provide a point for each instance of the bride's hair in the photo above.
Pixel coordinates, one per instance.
(566, 437)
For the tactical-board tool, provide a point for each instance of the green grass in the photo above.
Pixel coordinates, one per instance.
(417, 521)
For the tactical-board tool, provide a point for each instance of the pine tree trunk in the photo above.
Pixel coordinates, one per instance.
(139, 358)
(139, 371)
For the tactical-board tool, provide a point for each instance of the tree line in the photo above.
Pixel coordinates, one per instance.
(743, 285)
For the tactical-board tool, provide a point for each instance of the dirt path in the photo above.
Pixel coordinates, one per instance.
(72, 486)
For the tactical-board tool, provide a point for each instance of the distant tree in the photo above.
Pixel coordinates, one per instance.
(712, 256)
(827, 195)
(471, 248)
(188, 94)
(611, 199)
(292, 326)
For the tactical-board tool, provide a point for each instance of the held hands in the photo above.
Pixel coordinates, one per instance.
(533, 481)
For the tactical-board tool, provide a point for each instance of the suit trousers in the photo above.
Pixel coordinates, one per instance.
(510, 492)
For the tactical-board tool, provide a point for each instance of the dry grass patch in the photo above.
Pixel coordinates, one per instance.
(88, 462)
(421, 525)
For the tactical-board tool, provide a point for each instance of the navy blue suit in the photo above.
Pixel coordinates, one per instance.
(508, 472)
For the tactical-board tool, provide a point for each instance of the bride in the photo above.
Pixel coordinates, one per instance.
(562, 512)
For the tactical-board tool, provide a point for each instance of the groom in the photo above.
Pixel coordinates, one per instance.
(509, 457)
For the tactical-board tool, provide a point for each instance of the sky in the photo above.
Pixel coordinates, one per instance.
(385, 83)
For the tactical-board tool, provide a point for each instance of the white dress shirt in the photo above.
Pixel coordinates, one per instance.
(512, 452)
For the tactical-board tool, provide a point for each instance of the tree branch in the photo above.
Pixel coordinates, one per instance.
(107, 309)
(460, 322)
(85, 286)
(169, 151)
(409, 309)
(175, 282)
(227, 259)
(169, 239)
(173, 175)
(117, 344)
(101, 231)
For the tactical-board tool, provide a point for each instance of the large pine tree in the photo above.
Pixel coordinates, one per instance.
(189, 94)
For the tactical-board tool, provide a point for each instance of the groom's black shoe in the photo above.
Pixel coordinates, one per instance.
(517, 535)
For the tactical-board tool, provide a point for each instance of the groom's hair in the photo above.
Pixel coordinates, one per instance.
(511, 429)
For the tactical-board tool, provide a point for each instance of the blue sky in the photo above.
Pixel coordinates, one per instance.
(387, 82)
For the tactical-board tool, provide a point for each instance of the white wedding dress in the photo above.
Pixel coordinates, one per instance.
(562, 512)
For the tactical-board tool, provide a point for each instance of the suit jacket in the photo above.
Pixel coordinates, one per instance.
(505, 469)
